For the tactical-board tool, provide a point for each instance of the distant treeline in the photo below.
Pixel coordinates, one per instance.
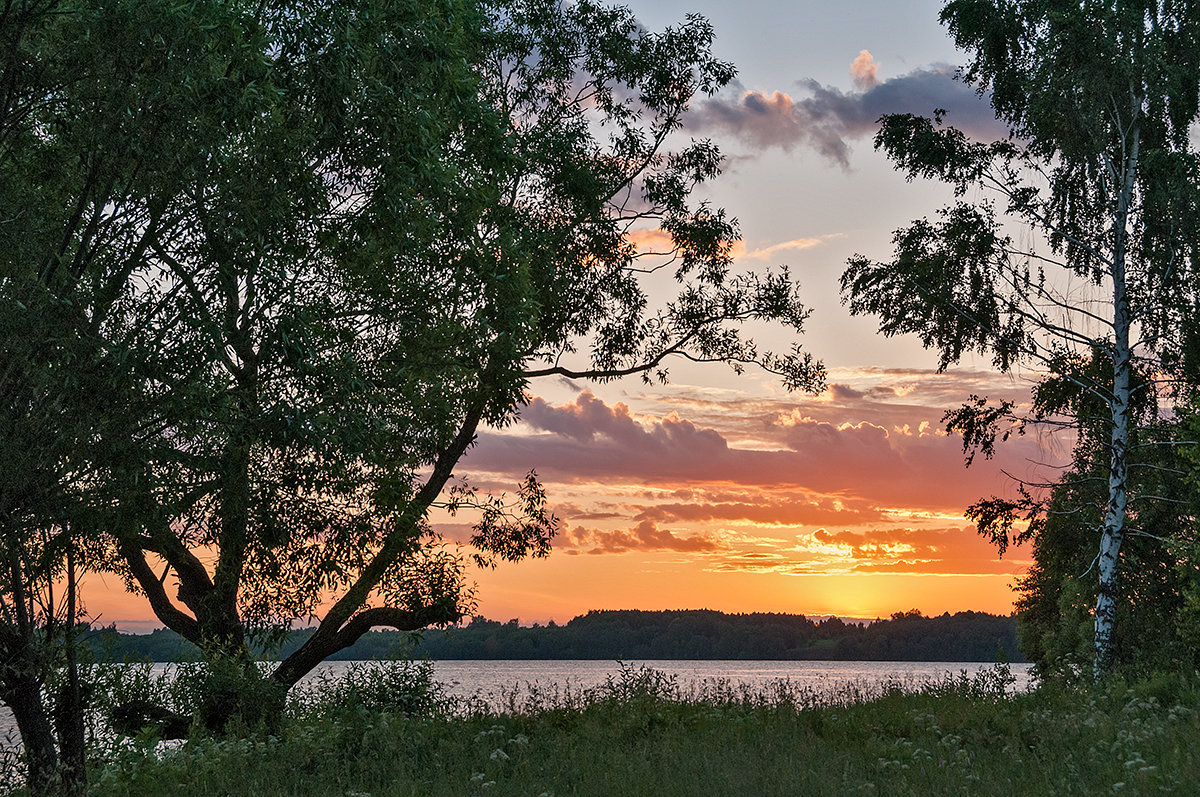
(631, 635)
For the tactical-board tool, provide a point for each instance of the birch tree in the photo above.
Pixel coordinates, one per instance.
(1071, 242)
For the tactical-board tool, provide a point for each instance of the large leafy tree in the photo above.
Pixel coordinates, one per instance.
(1102, 172)
(418, 209)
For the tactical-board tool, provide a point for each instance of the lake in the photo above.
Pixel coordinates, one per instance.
(496, 682)
(523, 684)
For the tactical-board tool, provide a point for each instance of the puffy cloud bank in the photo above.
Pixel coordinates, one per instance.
(826, 119)
(861, 480)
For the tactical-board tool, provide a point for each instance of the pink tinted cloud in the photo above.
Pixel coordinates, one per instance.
(767, 252)
(655, 241)
(864, 71)
(588, 419)
(658, 242)
(645, 536)
(901, 465)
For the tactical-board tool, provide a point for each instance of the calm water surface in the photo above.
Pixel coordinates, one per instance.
(496, 681)
(507, 683)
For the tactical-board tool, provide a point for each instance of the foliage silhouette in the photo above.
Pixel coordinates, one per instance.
(633, 635)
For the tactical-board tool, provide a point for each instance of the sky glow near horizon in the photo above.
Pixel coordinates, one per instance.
(725, 492)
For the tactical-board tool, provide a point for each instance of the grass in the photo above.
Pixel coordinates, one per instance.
(392, 732)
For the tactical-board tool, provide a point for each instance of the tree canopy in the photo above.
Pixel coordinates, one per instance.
(98, 103)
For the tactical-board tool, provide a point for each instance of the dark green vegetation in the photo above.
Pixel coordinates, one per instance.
(644, 734)
(627, 635)
(1071, 249)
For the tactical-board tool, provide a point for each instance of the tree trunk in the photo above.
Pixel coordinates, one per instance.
(22, 693)
(68, 719)
(327, 641)
(1113, 532)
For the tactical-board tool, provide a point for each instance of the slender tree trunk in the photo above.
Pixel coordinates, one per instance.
(1113, 532)
(21, 684)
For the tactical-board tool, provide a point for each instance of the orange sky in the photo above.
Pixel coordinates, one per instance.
(849, 503)
(741, 499)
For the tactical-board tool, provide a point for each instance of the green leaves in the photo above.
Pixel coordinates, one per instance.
(510, 536)
(979, 424)
(943, 286)
(920, 147)
(316, 245)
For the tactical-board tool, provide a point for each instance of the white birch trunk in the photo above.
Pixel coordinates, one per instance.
(1113, 531)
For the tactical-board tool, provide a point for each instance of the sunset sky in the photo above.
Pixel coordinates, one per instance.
(725, 492)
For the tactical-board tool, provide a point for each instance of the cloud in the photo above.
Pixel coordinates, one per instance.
(655, 241)
(595, 512)
(864, 71)
(799, 243)
(645, 536)
(659, 242)
(891, 397)
(765, 511)
(943, 550)
(589, 418)
(826, 119)
(939, 551)
(841, 392)
(587, 441)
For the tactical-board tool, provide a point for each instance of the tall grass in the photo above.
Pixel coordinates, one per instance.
(391, 730)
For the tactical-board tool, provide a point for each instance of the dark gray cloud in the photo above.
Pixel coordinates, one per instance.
(827, 118)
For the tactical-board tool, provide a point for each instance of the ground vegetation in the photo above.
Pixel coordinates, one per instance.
(640, 732)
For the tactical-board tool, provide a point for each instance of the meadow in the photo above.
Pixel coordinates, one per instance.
(644, 733)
